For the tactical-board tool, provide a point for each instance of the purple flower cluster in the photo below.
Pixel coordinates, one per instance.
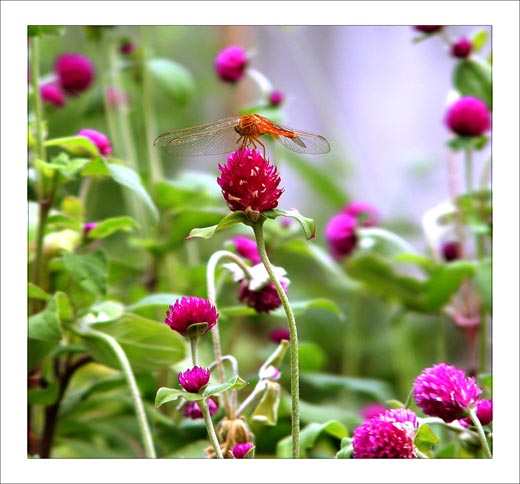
(468, 116)
(188, 311)
(263, 300)
(444, 391)
(240, 450)
(193, 411)
(230, 64)
(193, 379)
(389, 435)
(99, 139)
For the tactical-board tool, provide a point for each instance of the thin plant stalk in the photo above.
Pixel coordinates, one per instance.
(146, 434)
(203, 404)
(295, 373)
(480, 432)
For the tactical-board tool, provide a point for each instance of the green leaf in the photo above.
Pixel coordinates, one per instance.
(478, 40)
(39, 30)
(419, 260)
(44, 396)
(165, 395)
(227, 222)
(323, 182)
(376, 389)
(308, 437)
(155, 300)
(473, 78)
(346, 449)
(301, 307)
(130, 179)
(444, 282)
(484, 280)
(73, 207)
(64, 307)
(107, 311)
(380, 278)
(425, 438)
(96, 167)
(59, 222)
(111, 225)
(89, 270)
(45, 325)
(148, 344)
(266, 412)
(173, 78)
(462, 143)
(76, 145)
(307, 224)
(35, 292)
(312, 357)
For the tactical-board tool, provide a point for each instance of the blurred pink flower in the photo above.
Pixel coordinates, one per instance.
(484, 410)
(75, 73)
(262, 300)
(340, 234)
(230, 63)
(52, 94)
(278, 334)
(462, 48)
(366, 214)
(428, 29)
(468, 116)
(373, 410)
(240, 450)
(247, 248)
(193, 411)
(99, 139)
(276, 98)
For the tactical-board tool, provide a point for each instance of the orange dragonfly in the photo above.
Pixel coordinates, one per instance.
(230, 134)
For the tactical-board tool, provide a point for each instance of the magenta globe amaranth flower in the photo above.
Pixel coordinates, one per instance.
(99, 139)
(263, 300)
(249, 182)
(389, 435)
(444, 391)
(193, 379)
(366, 214)
(451, 250)
(89, 226)
(462, 48)
(127, 48)
(247, 248)
(230, 63)
(279, 334)
(428, 29)
(484, 410)
(240, 450)
(276, 98)
(373, 410)
(193, 411)
(52, 94)
(188, 311)
(468, 116)
(340, 234)
(75, 73)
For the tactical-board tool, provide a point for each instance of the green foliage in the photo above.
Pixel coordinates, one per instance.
(472, 77)
(173, 78)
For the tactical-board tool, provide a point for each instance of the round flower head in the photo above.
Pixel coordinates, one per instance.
(127, 48)
(188, 311)
(276, 98)
(365, 213)
(89, 226)
(52, 94)
(230, 63)
(428, 29)
(247, 248)
(262, 300)
(75, 73)
(444, 391)
(340, 234)
(249, 183)
(240, 450)
(450, 250)
(468, 116)
(462, 48)
(389, 435)
(193, 411)
(484, 410)
(278, 334)
(99, 139)
(193, 379)
(373, 410)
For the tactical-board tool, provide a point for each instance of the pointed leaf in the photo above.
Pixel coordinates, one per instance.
(45, 325)
(35, 292)
(76, 145)
(89, 270)
(473, 78)
(111, 225)
(173, 78)
(307, 224)
(155, 300)
(425, 438)
(227, 222)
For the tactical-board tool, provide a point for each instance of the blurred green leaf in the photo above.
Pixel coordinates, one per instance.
(111, 225)
(173, 78)
(378, 390)
(89, 270)
(307, 224)
(462, 143)
(130, 179)
(45, 325)
(478, 40)
(155, 300)
(425, 438)
(35, 292)
(472, 77)
(75, 145)
(96, 167)
(323, 182)
(39, 30)
(59, 222)
(484, 279)
(425, 263)
(266, 412)
(44, 396)
(64, 307)
(107, 311)
(346, 449)
(227, 222)
(311, 356)
(308, 437)
(148, 344)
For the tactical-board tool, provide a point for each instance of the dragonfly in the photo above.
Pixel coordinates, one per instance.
(238, 132)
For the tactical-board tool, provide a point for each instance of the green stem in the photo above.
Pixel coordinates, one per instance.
(38, 105)
(480, 432)
(468, 170)
(146, 434)
(215, 334)
(148, 115)
(295, 377)
(388, 236)
(203, 404)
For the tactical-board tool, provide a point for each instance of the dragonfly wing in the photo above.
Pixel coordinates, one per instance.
(214, 138)
(304, 142)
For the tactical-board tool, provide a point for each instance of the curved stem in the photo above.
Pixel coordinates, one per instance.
(203, 404)
(215, 335)
(480, 431)
(146, 434)
(295, 373)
